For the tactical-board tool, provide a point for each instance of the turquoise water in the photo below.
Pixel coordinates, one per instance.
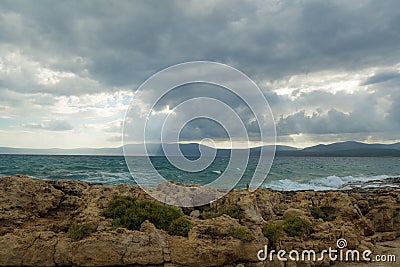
(287, 173)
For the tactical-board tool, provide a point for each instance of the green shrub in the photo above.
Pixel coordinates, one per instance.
(130, 213)
(329, 211)
(118, 206)
(232, 211)
(295, 226)
(272, 231)
(240, 233)
(211, 231)
(180, 226)
(317, 213)
(79, 231)
(208, 214)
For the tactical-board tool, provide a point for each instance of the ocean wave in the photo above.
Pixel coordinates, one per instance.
(329, 183)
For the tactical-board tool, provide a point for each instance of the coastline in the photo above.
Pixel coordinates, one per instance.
(35, 216)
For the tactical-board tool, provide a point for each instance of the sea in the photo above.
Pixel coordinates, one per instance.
(286, 173)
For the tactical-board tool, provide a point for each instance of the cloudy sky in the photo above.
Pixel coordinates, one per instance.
(68, 70)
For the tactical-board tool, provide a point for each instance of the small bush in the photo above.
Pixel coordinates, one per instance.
(211, 231)
(240, 233)
(118, 206)
(180, 226)
(232, 211)
(206, 214)
(79, 231)
(296, 226)
(130, 213)
(329, 211)
(317, 213)
(273, 232)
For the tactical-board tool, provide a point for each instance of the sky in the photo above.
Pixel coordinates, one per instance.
(330, 70)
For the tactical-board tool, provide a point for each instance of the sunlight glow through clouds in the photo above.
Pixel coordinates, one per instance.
(328, 81)
(48, 76)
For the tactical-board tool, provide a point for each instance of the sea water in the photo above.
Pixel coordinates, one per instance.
(287, 173)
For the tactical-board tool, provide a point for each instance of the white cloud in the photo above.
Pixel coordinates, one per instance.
(78, 64)
(52, 125)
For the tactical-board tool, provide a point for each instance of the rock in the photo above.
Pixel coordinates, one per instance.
(383, 217)
(211, 244)
(35, 216)
(252, 216)
(41, 252)
(22, 197)
(246, 202)
(294, 212)
(195, 213)
(13, 248)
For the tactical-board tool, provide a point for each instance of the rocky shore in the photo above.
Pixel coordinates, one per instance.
(36, 218)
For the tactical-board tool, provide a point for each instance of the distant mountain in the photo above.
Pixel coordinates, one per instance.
(193, 150)
(347, 149)
(188, 150)
(340, 149)
(395, 146)
(364, 152)
(349, 145)
(285, 148)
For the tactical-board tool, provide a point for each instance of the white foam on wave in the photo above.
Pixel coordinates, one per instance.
(289, 185)
(326, 183)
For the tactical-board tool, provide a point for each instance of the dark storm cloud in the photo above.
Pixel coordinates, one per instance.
(333, 122)
(203, 128)
(75, 48)
(121, 43)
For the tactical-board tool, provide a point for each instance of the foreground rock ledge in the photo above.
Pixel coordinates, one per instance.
(35, 216)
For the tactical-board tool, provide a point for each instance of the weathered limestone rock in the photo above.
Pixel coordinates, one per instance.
(294, 212)
(13, 248)
(210, 243)
(22, 197)
(195, 213)
(35, 216)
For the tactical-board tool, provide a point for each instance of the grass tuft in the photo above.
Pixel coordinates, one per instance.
(318, 213)
(180, 227)
(296, 226)
(272, 231)
(232, 211)
(241, 233)
(79, 231)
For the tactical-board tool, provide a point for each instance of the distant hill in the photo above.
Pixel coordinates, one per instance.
(349, 145)
(340, 149)
(193, 150)
(396, 146)
(347, 149)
